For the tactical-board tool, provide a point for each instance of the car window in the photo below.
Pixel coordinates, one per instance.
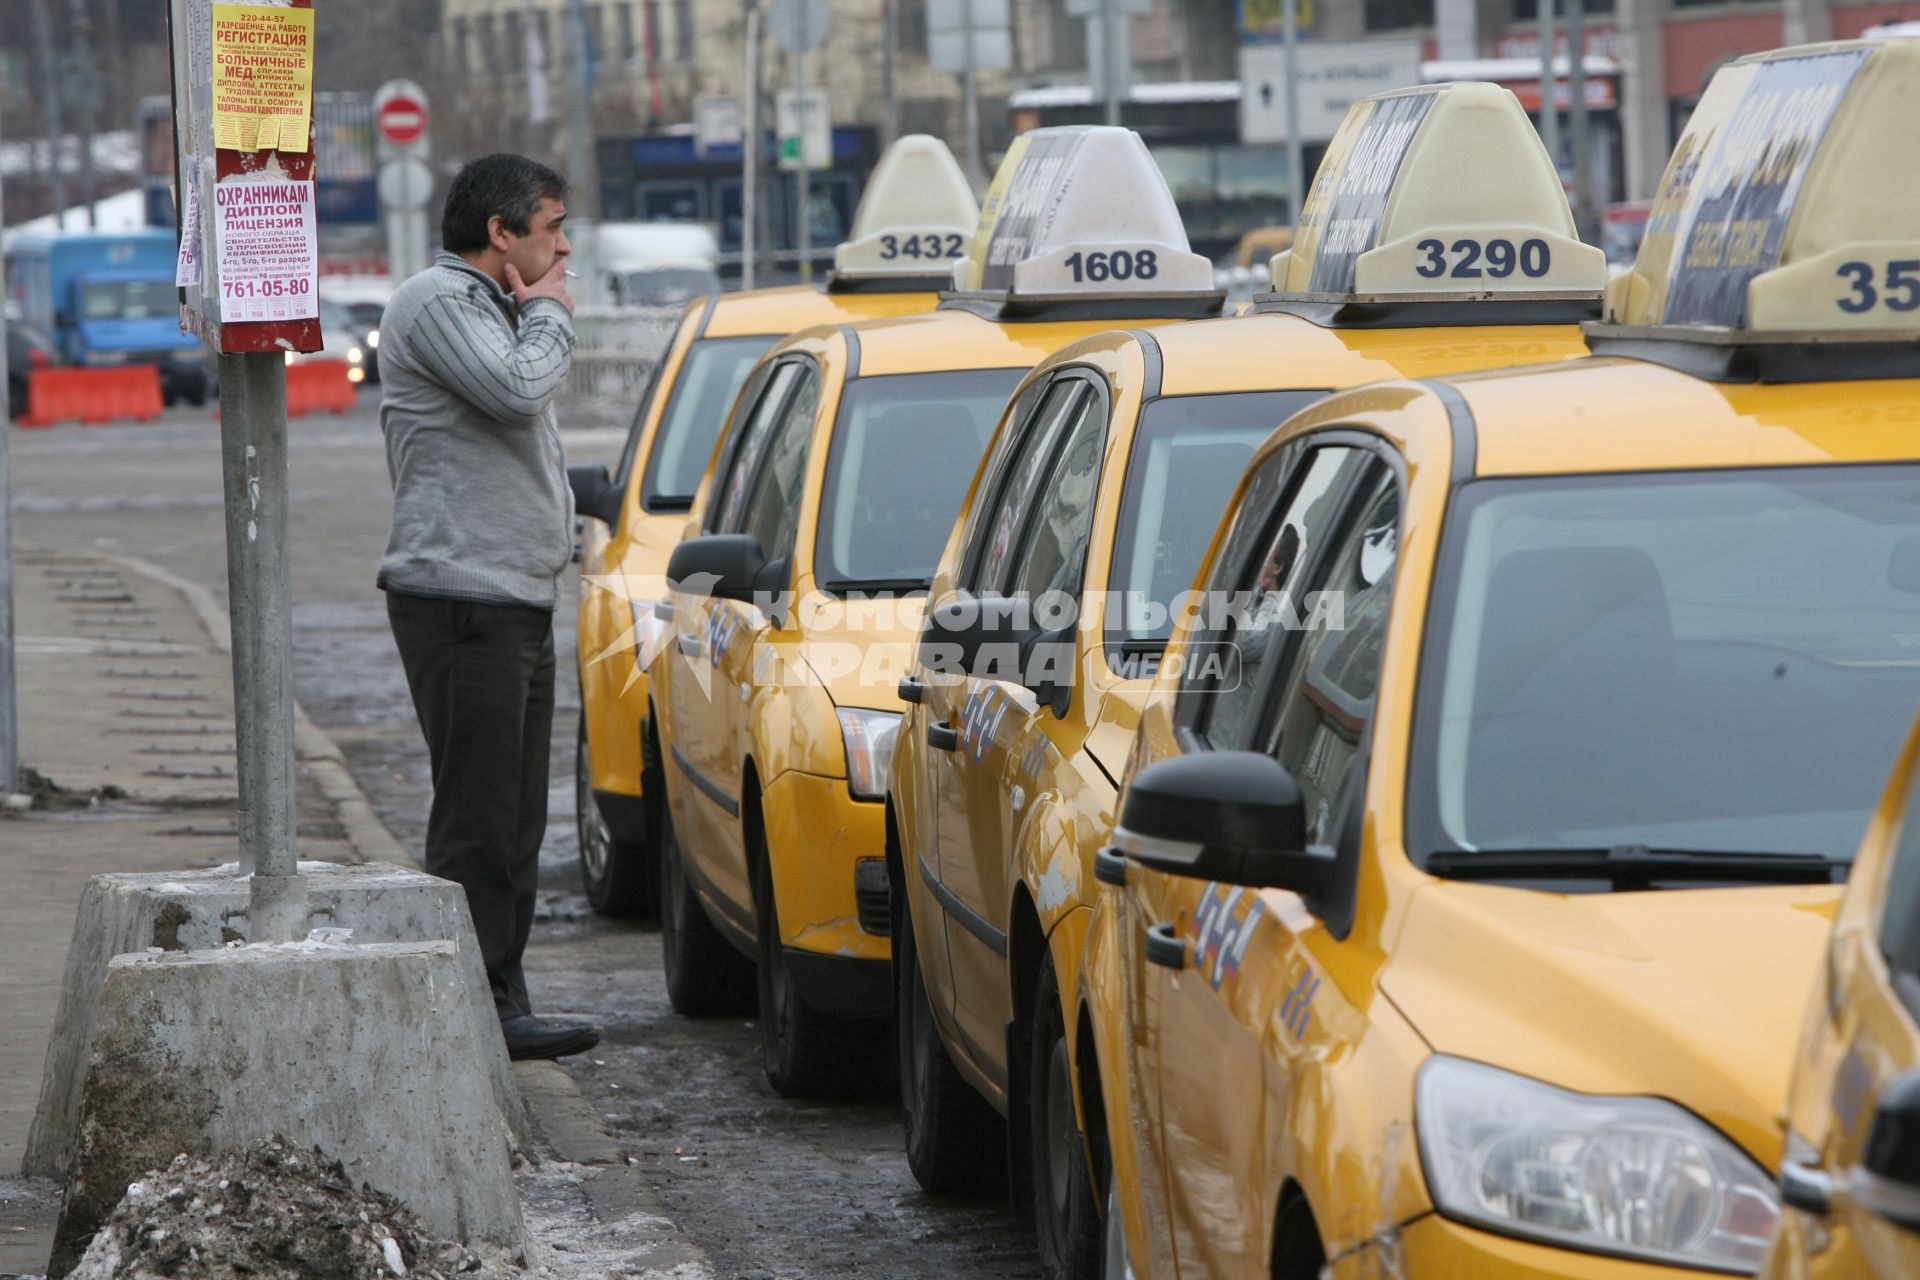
(1024, 467)
(743, 455)
(1255, 616)
(773, 498)
(1053, 549)
(697, 406)
(1331, 674)
(1187, 455)
(904, 449)
(1900, 921)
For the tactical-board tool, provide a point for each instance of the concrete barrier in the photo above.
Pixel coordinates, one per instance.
(369, 1053)
(201, 910)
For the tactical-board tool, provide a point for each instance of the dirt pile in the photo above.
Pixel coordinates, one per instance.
(269, 1212)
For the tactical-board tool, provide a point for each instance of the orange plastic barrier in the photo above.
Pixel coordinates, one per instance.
(92, 396)
(319, 384)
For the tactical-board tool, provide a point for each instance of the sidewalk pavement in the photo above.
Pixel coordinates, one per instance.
(126, 722)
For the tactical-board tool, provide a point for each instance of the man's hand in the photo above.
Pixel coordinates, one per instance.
(551, 285)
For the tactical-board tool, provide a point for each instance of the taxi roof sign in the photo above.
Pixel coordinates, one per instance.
(1438, 192)
(1790, 206)
(1081, 211)
(916, 215)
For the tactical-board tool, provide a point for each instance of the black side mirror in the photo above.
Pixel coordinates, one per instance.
(1232, 816)
(594, 493)
(729, 566)
(1889, 1178)
(972, 636)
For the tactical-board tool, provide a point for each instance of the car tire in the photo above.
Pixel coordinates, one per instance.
(806, 1053)
(622, 877)
(956, 1143)
(706, 976)
(1066, 1210)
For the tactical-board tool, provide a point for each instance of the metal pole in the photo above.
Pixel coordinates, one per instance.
(803, 198)
(1586, 208)
(585, 208)
(889, 49)
(1296, 172)
(253, 448)
(970, 95)
(1549, 86)
(50, 98)
(1110, 57)
(85, 86)
(9, 716)
(750, 154)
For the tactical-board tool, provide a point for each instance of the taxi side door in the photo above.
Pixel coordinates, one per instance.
(700, 690)
(1229, 966)
(972, 826)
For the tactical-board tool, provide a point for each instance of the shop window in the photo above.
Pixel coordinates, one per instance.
(1529, 10)
(1392, 15)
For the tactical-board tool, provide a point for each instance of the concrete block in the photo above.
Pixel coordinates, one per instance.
(196, 910)
(369, 1053)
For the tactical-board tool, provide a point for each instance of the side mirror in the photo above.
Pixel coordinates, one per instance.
(1888, 1181)
(594, 493)
(729, 566)
(968, 635)
(1232, 816)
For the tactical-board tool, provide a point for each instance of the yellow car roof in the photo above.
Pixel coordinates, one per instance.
(945, 340)
(781, 311)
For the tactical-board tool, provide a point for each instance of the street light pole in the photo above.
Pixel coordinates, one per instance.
(750, 154)
(1110, 20)
(1296, 174)
(50, 103)
(802, 193)
(970, 95)
(1549, 88)
(9, 716)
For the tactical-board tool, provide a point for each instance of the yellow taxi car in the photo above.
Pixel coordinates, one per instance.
(916, 216)
(1850, 1178)
(1465, 902)
(1092, 518)
(794, 607)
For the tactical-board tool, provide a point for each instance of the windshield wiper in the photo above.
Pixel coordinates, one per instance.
(1637, 864)
(844, 586)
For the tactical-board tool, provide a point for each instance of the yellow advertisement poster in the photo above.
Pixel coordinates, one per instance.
(262, 77)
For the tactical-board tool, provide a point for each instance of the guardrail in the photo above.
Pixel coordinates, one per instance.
(615, 350)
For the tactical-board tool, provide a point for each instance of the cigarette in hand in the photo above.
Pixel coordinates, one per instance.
(573, 275)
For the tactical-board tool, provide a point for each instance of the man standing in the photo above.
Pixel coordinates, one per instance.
(472, 352)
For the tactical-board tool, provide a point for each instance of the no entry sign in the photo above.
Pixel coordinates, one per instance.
(401, 120)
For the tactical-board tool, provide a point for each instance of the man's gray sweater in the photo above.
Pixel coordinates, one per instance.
(481, 506)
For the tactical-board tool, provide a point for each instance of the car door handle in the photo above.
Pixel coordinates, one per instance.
(911, 690)
(1806, 1188)
(663, 611)
(1110, 867)
(946, 739)
(690, 646)
(1165, 949)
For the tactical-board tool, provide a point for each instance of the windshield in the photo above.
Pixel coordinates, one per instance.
(129, 300)
(697, 408)
(1188, 455)
(1716, 661)
(904, 450)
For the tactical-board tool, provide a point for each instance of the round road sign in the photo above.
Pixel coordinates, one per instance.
(401, 120)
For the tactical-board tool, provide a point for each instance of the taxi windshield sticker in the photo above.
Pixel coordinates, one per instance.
(1740, 195)
(1350, 202)
(1016, 211)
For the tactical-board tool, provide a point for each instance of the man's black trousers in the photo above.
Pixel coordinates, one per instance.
(482, 682)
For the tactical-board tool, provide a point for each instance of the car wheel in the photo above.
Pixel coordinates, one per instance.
(620, 875)
(807, 1054)
(706, 977)
(956, 1143)
(1066, 1213)
(1116, 1261)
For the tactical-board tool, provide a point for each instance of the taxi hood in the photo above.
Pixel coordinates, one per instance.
(859, 649)
(1696, 995)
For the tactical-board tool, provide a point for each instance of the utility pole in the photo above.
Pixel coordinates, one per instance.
(86, 88)
(1586, 206)
(750, 155)
(803, 196)
(970, 95)
(585, 172)
(889, 50)
(1296, 174)
(9, 715)
(1549, 88)
(50, 100)
(1110, 20)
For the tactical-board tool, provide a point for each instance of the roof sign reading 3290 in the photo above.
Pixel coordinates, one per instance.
(1789, 205)
(1443, 192)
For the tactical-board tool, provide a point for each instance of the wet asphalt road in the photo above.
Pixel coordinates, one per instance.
(769, 1187)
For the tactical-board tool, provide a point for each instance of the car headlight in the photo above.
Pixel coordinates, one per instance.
(1632, 1176)
(373, 339)
(355, 355)
(869, 738)
(356, 375)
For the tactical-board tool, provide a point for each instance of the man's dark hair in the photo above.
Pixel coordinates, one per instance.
(503, 185)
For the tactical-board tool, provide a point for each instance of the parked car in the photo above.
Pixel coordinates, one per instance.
(29, 347)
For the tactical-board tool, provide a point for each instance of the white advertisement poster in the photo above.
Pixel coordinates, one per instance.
(1333, 76)
(267, 247)
(186, 274)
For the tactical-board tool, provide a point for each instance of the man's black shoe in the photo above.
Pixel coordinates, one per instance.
(531, 1037)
